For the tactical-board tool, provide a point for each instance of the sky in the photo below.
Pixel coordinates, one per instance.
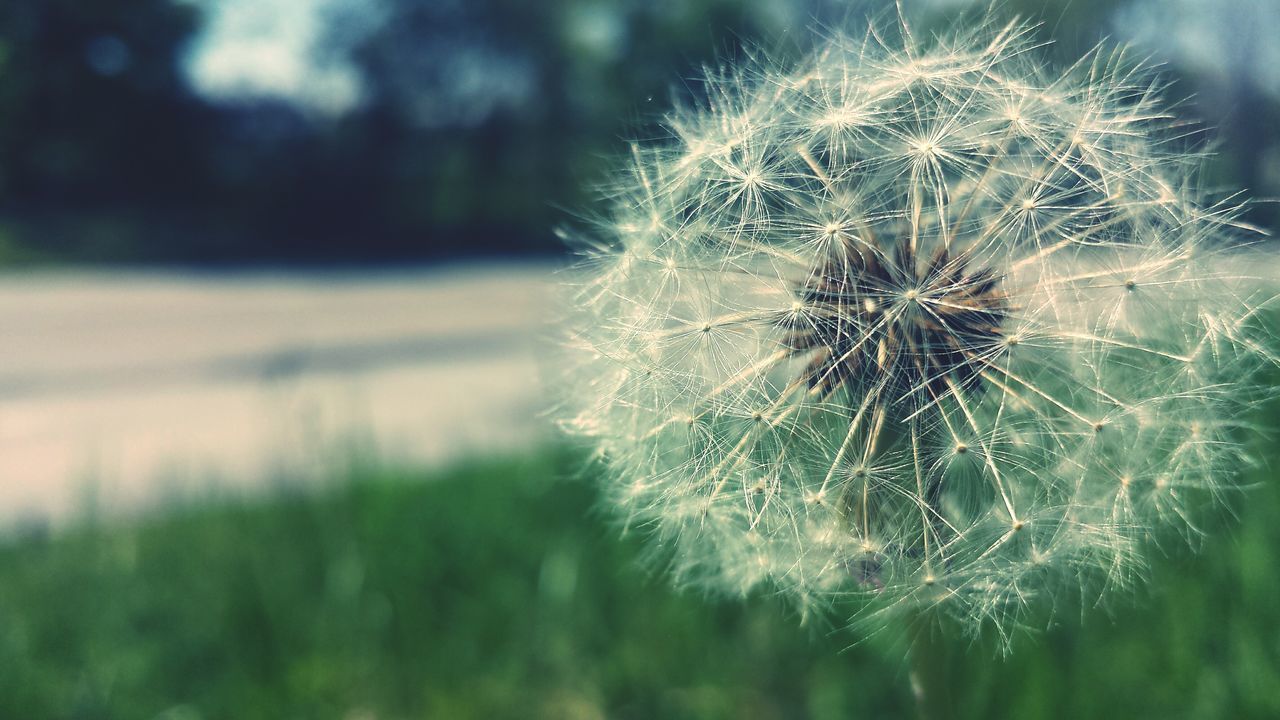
(253, 49)
(287, 50)
(1229, 41)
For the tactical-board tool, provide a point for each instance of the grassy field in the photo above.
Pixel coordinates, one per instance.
(496, 591)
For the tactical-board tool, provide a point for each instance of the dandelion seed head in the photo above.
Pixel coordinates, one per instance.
(914, 324)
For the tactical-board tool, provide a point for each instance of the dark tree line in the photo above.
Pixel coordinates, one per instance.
(482, 121)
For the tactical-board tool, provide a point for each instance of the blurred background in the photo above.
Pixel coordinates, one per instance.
(272, 278)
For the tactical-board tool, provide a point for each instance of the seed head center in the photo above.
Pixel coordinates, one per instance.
(912, 348)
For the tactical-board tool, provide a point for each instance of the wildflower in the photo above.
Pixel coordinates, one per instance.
(917, 324)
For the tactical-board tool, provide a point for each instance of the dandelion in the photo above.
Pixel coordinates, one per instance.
(915, 325)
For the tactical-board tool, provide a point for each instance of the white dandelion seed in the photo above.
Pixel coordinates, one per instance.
(915, 323)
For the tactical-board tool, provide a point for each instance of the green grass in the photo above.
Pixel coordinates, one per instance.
(496, 591)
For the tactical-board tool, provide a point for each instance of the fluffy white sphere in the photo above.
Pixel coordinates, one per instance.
(916, 323)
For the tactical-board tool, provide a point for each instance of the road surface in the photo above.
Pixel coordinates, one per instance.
(121, 390)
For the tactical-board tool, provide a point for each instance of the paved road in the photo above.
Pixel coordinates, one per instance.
(125, 389)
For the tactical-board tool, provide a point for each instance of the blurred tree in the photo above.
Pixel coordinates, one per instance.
(481, 119)
(93, 113)
(492, 113)
(479, 122)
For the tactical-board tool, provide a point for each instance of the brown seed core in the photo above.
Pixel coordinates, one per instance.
(879, 317)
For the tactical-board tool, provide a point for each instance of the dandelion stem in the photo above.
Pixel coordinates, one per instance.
(929, 674)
